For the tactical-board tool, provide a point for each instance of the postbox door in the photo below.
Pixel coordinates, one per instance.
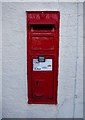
(42, 77)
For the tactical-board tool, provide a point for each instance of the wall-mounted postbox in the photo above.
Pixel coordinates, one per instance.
(42, 56)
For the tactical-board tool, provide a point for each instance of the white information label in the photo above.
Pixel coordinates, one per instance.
(42, 66)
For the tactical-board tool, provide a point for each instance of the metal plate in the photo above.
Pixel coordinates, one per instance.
(42, 66)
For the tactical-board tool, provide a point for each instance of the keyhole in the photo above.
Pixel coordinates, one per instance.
(36, 82)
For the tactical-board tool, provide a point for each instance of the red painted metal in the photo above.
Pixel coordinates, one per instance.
(42, 40)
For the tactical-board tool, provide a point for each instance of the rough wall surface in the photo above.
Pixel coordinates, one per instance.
(43, 0)
(70, 79)
(0, 60)
(84, 59)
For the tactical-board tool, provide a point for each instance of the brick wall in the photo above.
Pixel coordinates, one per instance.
(70, 79)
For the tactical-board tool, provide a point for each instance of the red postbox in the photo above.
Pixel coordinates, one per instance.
(42, 56)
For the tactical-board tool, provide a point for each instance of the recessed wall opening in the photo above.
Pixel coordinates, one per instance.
(42, 26)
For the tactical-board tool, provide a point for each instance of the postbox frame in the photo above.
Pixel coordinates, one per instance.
(55, 56)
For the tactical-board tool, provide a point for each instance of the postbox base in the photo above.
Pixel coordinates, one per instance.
(33, 101)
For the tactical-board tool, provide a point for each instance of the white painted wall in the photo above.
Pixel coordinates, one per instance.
(43, 0)
(0, 60)
(70, 79)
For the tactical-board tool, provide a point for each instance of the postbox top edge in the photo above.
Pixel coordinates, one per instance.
(42, 14)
